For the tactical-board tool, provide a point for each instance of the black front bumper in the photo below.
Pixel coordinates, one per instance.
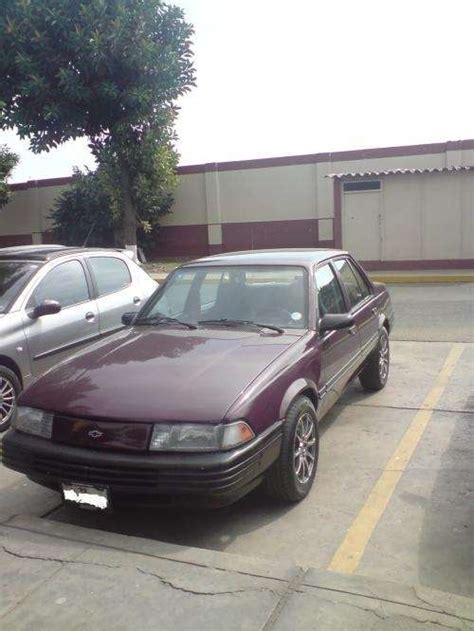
(149, 478)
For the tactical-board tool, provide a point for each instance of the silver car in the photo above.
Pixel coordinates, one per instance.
(54, 301)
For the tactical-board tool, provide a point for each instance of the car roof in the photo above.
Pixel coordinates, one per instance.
(42, 253)
(284, 256)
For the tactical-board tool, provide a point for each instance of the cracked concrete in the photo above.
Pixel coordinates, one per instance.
(56, 576)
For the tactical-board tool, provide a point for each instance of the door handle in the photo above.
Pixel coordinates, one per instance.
(352, 330)
(136, 300)
(375, 310)
(90, 316)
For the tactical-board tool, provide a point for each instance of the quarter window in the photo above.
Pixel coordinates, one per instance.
(111, 274)
(330, 298)
(355, 285)
(66, 284)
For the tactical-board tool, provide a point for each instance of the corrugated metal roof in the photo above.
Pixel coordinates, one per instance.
(401, 171)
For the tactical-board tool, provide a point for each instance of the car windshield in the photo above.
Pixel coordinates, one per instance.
(13, 277)
(232, 295)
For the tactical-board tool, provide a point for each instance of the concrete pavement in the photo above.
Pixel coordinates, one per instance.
(58, 576)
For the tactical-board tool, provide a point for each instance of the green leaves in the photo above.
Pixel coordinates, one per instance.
(110, 70)
(8, 160)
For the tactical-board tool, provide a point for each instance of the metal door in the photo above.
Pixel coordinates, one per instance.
(361, 229)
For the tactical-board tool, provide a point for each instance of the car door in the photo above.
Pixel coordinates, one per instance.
(51, 338)
(340, 350)
(361, 301)
(116, 294)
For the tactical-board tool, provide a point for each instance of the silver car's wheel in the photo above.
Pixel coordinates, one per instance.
(9, 390)
(7, 400)
(304, 448)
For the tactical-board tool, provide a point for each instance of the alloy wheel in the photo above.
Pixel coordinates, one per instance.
(384, 357)
(7, 400)
(304, 450)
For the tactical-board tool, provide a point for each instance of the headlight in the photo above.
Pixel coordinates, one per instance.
(33, 421)
(199, 436)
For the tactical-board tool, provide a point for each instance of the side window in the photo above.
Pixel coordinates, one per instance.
(66, 283)
(355, 285)
(330, 298)
(110, 274)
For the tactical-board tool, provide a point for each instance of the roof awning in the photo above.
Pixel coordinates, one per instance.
(366, 174)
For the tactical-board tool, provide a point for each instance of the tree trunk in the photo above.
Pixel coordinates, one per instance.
(129, 219)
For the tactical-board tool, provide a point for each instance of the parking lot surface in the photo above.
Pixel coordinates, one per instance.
(394, 492)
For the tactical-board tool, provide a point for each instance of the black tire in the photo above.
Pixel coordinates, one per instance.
(282, 481)
(375, 373)
(9, 390)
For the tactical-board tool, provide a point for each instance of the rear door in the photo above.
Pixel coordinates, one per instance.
(361, 302)
(116, 294)
(340, 350)
(52, 338)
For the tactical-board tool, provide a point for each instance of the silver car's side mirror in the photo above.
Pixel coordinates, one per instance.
(47, 307)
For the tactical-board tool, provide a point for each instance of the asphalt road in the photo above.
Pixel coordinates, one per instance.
(395, 486)
(434, 312)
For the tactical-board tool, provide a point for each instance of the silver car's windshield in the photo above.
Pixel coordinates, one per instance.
(266, 294)
(13, 277)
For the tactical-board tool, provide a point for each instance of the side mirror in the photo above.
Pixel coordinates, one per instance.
(335, 321)
(47, 307)
(129, 317)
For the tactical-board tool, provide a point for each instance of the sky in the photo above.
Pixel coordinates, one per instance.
(278, 78)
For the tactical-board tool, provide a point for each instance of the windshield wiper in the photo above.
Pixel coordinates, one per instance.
(232, 322)
(153, 320)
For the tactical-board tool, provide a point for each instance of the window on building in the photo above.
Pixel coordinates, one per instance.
(362, 185)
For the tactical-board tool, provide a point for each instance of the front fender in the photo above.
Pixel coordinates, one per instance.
(296, 388)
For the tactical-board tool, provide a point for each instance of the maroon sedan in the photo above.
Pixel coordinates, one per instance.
(216, 385)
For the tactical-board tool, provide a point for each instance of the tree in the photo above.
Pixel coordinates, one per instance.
(82, 214)
(110, 70)
(85, 213)
(8, 160)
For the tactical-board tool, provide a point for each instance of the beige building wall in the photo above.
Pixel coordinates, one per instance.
(190, 206)
(273, 194)
(29, 211)
(422, 216)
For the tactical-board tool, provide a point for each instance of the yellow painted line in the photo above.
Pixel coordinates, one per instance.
(348, 555)
(421, 278)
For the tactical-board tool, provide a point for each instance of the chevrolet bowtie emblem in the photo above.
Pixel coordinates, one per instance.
(95, 433)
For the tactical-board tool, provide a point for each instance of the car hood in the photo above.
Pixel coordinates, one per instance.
(158, 375)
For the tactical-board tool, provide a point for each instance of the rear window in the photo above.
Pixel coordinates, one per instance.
(111, 274)
(13, 278)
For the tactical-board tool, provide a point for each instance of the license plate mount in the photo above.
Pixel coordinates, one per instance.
(86, 496)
